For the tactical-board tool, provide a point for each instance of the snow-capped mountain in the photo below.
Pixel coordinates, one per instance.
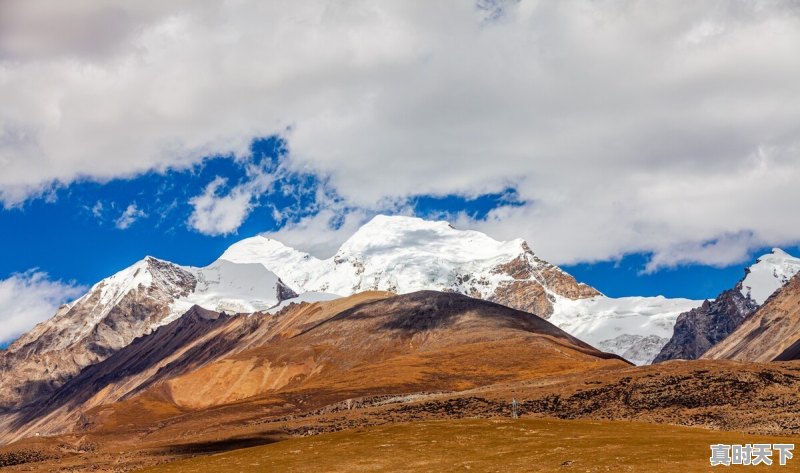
(230, 287)
(636, 328)
(770, 273)
(399, 254)
(407, 254)
(772, 333)
(122, 307)
(702, 328)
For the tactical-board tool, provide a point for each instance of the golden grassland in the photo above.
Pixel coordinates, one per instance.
(480, 445)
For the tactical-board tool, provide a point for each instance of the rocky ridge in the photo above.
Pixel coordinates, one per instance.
(771, 333)
(700, 329)
(117, 310)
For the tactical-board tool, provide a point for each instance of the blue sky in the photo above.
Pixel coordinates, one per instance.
(74, 233)
(597, 131)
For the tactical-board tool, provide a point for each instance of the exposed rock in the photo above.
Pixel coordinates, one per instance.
(772, 333)
(109, 317)
(534, 284)
(700, 329)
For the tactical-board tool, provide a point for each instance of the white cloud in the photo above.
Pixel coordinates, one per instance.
(218, 213)
(653, 126)
(97, 210)
(322, 234)
(131, 214)
(29, 298)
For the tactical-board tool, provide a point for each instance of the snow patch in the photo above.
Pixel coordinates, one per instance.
(770, 273)
(619, 324)
(229, 287)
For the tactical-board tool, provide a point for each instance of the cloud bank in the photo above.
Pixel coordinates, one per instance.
(670, 128)
(29, 298)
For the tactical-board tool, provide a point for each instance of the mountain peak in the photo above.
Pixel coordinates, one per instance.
(405, 254)
(414, 236)
(769, 273)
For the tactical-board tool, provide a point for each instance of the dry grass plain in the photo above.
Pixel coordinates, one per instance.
(487, 445)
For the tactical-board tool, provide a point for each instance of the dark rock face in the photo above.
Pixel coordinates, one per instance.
(533, 277)
(771, 334)
(700, 329)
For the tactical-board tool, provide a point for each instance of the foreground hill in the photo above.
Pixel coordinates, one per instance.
(366, 344)
(772, 333)
(423, 341)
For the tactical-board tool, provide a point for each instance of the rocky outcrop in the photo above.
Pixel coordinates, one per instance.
(110, 316)
(770, 334)
(534, 284)
(700, 329)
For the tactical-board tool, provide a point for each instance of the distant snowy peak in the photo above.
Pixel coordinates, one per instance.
(636, 328)
(127, 305)
(770, 272)
(407, 254)
(166, 290)
(151, 279)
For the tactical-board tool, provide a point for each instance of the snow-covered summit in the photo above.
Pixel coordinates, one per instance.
(224, 286)
(415, 237)
(407, 254)
(151, 293)
(769, 273)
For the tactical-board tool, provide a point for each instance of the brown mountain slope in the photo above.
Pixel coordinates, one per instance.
(190, 342)
(771, 333)
(88, 331)
(310, 357)
(422, 341)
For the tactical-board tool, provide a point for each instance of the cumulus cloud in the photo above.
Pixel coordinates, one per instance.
(323, 233)
(219, 214)
(131, 214)
(218, 211)
(647, 126)
(29, 298)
